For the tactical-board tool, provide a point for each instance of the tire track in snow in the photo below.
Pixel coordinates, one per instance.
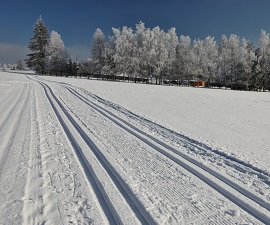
(112, 212)
(191, 165)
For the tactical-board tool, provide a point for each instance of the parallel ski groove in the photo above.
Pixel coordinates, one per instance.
(136, 205)
(188, 141)
(143, 137)
(84, 164)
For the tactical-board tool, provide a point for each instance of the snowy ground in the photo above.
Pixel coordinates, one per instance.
(76, 151)
(234, 122)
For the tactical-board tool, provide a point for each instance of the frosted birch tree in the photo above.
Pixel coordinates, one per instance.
(98, 50)
(234, 56)
(264, 59)
(183, 58)
(224, 59)
(109, 67)
(250, 64)
(171, 43)
(126, 51)
(147, 53)
(210, 59)
(56, 55)
(160, 53)
(19, 65)
(197, 58)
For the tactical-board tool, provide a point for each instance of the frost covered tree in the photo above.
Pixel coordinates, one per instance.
(234, 49)
(153, 53)
(243, 62)
(19, 65)
(56, 55)
(263, 78)
(4, 67)
(85, 66)
(124, 50)
(236, 62)
(159, 53)
(183, 58)
(36, 59)
(224, 60)
(145, 51)
(142, 50)
(98, 50)
(210, 59)
(121, 49)
(250, 65)
(171, 43)
(109, 67)
(197, 58)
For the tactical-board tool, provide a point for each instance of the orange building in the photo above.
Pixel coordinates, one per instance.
(199, 83)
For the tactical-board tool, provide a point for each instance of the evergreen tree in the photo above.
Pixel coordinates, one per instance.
(36, 60)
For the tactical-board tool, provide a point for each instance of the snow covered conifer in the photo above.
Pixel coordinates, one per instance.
(56, 55)
(37, 46)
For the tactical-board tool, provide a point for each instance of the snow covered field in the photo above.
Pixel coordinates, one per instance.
(76, 151)
(234, 122)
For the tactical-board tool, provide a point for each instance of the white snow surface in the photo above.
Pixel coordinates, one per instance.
(78, 151)
(234, 122)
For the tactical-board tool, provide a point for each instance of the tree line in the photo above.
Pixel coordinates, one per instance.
(18, 66)
(146, 55)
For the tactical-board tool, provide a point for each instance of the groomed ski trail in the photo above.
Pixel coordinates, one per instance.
(206, 174)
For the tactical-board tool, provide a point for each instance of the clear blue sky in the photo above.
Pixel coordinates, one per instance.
(76, 21)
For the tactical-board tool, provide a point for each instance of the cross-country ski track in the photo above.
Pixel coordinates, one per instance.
(68, 156)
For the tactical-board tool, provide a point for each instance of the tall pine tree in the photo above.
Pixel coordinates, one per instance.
(36, 60)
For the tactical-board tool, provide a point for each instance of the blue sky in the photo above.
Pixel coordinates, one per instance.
(76, 21)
